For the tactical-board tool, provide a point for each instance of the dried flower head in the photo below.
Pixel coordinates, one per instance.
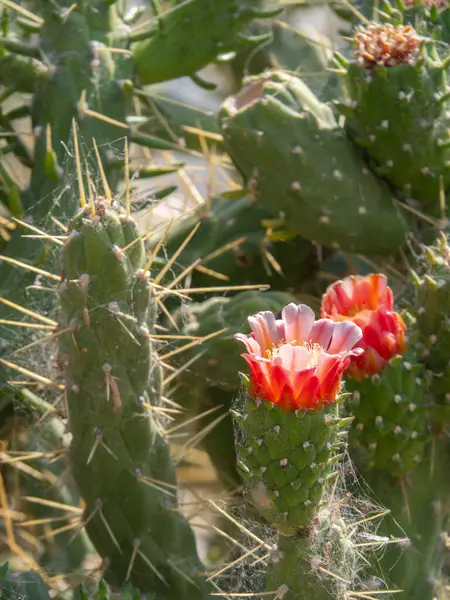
(384, 44)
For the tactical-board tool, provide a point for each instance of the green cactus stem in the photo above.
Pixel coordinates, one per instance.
(392, 415)
(295, 158)
(416, 525)
(288, 459)
(216, 29)
(120, 459)
(306, 566)
(68, 43)
(397, 111)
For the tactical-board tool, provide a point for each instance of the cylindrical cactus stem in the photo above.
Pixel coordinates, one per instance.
(398, 110)
(315, 567)
(120, 458)
(290, 439)
(431, 309)
(389, 389)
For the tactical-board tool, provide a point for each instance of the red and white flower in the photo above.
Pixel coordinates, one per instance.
(296, 361)
(369, 303)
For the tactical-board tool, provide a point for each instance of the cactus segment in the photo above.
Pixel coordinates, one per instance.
(120, 459)
(287, 460)
(216, 29)
(418, 520)
(392, 411)
(397, 113)
(298, 568)
(432, 325)
(432, 305)
(289, 147)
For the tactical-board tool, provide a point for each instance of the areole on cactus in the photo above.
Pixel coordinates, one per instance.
(295, 361)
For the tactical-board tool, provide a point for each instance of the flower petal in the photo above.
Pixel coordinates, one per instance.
(251, 344)
(306, 386)
(346, 334)
(298, 321)
(264, 327)
(322, 332)
(294, 358)
(331, 384)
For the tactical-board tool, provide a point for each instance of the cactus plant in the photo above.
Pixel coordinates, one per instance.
(289, 440)
(389, 438)
(409, 152)
(316, 182)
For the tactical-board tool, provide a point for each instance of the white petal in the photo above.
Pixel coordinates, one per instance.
(251, 344)
(294, 358)
(264, 327)
(345, 336)
(322, 332)
(298, 321)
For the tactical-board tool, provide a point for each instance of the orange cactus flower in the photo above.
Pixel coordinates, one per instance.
(296, 361)
(369, 303)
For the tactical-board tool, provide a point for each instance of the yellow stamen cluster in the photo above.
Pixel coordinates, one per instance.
(386, 45)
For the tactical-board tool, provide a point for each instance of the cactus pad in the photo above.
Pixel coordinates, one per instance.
(295, 158)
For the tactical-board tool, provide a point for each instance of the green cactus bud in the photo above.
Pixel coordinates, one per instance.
(298, 160)
(392, 411)
(120, 459)
(398, 104)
